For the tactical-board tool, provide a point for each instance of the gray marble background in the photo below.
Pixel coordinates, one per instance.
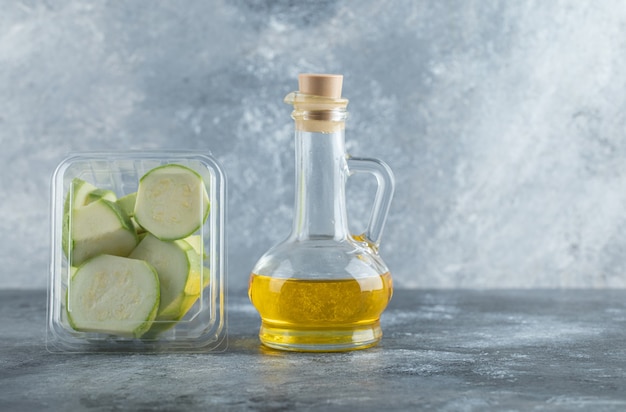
(504, 122)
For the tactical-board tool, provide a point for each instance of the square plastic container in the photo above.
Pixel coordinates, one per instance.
(99, 303)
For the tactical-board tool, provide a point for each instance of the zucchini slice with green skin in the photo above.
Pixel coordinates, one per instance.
(100, 228)
(197, 243)
(76, 197)
(179, 267)
(172, 202)
(80, 194)
(114, 295)
(196, 281)
(127, 203)
(101, 194)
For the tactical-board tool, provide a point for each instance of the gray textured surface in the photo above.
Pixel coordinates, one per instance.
(503, 121)
(450, 351)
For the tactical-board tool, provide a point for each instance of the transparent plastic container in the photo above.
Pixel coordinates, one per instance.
(123, 308)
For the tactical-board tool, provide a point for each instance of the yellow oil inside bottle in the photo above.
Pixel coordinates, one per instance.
(320, 315)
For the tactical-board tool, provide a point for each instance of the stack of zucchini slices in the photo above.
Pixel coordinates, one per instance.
(136, 261)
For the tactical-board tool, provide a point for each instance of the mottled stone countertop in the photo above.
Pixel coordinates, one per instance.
(450, 350)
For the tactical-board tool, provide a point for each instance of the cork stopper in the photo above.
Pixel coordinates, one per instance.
(325, 85)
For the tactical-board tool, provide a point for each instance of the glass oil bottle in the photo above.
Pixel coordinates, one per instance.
(323, 289)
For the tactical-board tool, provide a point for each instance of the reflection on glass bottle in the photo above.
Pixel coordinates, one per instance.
(323, 289)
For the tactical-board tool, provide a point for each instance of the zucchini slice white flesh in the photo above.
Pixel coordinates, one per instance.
(115, 295)
(127, 203)
(197, 243)
(172, 202)
(76, 197)
(80, 194)
(101, 194)
(100, 228)
(179, 268)
(77, 194)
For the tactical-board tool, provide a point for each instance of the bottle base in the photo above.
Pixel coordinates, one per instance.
(320, 339)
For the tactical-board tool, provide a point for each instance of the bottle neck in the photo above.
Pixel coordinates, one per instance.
(321, 170)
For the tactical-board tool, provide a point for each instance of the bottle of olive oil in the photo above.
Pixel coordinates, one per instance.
(323, 289)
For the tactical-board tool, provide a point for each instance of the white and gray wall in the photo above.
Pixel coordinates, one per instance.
(504, 122)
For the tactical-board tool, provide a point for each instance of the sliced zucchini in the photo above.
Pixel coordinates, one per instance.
(197, 243)
(192, 291)
(81, 193)
(179, 268)
(127, 203)
(115, 295)
(78, 194)
(76, 197)
(101, 194)
(172, 202)
(100, 228)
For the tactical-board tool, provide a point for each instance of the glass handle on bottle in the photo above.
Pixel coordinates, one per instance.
(384, 194)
